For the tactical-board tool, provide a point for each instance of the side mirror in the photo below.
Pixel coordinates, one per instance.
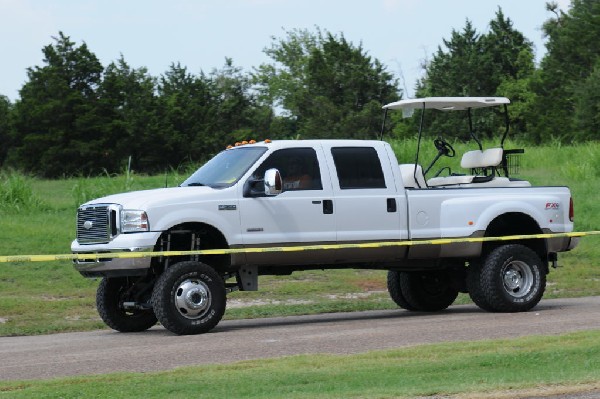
(273, 182)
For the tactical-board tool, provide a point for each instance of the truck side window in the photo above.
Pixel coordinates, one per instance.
(358, 167)
(299, 168)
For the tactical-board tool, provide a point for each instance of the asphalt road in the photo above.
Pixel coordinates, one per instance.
(106, 351)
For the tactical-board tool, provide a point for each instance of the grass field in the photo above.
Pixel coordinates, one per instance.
(494, 369)
(38, 217)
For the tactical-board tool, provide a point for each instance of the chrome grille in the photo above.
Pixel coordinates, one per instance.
(96, 224)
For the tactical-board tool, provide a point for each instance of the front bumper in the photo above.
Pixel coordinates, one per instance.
(112, 267)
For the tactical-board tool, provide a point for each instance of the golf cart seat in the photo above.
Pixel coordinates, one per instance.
(411, 177)
(482, 165)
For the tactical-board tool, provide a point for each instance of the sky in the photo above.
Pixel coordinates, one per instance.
(200, 34)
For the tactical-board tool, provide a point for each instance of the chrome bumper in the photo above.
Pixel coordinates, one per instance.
(99, 267)
(113, 266)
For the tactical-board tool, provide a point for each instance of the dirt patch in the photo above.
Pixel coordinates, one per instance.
(244, 303)
(355, 295)
(239, 303)
(372, 285)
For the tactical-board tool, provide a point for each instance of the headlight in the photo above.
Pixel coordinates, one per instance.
(134, 221)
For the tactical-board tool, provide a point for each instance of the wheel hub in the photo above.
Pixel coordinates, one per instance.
(192, 298)
(512, 279)
(517, 278)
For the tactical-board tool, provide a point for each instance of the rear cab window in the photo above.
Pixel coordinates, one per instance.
(358, 168)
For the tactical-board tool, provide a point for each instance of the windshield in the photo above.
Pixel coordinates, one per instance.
(226, 168)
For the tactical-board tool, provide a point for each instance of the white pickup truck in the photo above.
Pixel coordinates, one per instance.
(314, 192)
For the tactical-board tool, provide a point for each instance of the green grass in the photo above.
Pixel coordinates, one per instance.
(38, 217)
(552, 364)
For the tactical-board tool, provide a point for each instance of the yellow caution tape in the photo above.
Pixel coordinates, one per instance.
(129, 255)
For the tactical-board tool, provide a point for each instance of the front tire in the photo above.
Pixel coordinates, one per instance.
(189, 298)
(110, 296)
(511, 279)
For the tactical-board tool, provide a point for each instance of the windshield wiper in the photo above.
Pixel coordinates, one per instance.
(195, 184)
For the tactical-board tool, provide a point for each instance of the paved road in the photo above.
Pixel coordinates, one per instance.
(106, 351)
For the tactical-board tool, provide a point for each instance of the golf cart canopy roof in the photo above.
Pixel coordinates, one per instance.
(447, 103)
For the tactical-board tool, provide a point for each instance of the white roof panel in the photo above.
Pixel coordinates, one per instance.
(447, 103)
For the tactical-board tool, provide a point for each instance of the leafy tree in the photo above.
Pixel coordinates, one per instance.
(6, 128)
(573, 48)
(456, 71)
(206, 112)
(512, 70)
(325, 86)
(240, 115)
(499, 62)
(131, 127)
(587, 106)
(189, 110)
(508, 53)
(282, 83)
(58, 130)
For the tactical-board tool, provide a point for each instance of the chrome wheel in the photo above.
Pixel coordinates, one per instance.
(517, 278)
(192, 299)
(189, 298)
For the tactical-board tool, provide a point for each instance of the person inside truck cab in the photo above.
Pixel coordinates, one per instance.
(294, 175)
(299, 168)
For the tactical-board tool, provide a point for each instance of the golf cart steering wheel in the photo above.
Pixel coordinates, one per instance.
(443, 147)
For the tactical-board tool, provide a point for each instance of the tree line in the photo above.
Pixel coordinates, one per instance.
(76, 117)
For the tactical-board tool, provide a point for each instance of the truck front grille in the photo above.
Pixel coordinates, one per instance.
(96, 224)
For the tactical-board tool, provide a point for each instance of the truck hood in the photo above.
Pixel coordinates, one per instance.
(147, 199)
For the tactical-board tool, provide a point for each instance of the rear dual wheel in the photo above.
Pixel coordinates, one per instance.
(427, 291)
(510, 279)
(395, 291)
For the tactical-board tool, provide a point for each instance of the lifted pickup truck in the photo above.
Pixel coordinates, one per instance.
(314, 192)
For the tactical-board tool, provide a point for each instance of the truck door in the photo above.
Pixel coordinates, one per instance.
(300, 215)
(367, 205)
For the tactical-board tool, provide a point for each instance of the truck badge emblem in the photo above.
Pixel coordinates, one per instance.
(88, 224)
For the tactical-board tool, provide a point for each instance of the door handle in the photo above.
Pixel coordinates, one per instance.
(391, 205)
(327, 207)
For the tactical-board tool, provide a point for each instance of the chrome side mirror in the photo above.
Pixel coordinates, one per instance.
(273, 182)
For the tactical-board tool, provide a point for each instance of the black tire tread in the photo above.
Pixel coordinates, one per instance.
(162, 296)
(475, 287)
(417, 296)
(107, 304)
(491, 284)
(393, 286)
